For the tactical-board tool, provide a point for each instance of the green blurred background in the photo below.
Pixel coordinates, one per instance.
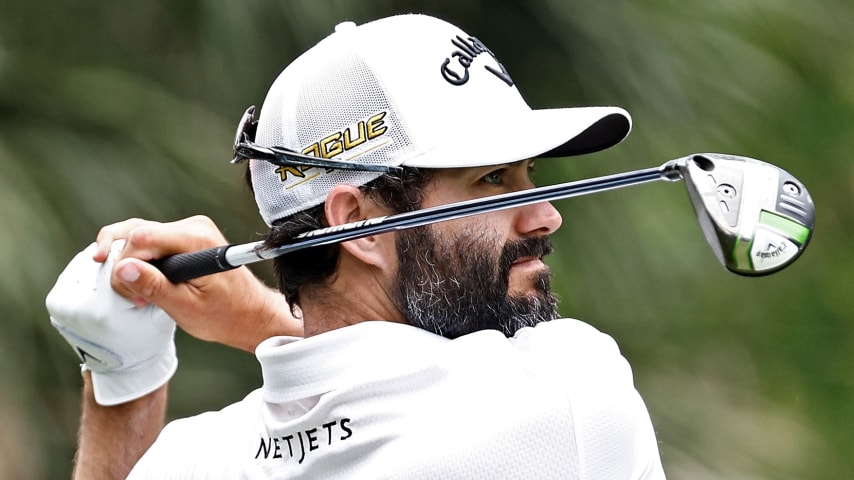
(110, 110)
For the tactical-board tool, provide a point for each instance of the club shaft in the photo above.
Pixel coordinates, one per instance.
(186, 266)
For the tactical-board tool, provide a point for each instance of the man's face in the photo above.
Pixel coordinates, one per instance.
(467, 275)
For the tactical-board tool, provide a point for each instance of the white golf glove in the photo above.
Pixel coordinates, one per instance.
(129, 350)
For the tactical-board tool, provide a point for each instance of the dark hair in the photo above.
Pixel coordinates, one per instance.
(399, 192)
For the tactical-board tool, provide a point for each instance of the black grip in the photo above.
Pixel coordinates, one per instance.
(187, 266)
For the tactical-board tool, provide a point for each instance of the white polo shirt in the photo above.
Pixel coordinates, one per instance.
(381, 400)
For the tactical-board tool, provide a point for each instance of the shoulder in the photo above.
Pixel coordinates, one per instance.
(207, 445)
(568, 329)
(229, 420)
(577, 356)
(567, 340)
(611, 422)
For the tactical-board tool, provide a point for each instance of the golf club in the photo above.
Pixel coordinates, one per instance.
(756, 217)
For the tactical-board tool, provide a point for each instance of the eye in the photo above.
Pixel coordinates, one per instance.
(495, 177)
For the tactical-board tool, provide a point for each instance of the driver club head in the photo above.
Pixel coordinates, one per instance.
(757, 217)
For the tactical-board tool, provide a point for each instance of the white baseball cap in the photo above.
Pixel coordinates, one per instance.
(409, 90)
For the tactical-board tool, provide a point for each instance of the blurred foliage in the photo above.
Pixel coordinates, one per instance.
(110, 110)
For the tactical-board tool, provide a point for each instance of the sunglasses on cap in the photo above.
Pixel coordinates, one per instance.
(245, 148)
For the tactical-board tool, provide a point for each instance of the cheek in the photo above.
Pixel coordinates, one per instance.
(492, 228)
(470, 245)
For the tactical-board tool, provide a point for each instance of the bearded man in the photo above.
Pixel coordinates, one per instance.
(435, 352)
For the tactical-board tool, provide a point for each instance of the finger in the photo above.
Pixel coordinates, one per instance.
(110, 233)
(141, 283)
(151, 240)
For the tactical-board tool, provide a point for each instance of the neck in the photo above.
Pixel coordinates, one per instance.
(357, 294)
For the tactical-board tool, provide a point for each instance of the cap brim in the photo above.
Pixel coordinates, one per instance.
(558, 132)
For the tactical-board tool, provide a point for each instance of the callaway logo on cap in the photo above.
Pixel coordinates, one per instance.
(409, 90)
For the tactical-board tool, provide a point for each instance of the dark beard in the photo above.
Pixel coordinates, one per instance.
(456, 286)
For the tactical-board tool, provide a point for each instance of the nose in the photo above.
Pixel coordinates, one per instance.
(538, 219)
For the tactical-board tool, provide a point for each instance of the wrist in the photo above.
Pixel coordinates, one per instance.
(115, 387)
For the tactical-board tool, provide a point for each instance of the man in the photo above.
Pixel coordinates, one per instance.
(430, 353)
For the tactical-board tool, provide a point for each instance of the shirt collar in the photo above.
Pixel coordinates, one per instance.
(294, 368)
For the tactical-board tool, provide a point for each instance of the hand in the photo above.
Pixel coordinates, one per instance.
(129, 350)
(233, 308)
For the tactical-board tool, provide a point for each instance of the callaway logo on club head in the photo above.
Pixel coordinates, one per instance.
(772, 250)
(467, 50)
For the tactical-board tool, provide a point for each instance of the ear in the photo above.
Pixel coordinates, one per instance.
(346, 204)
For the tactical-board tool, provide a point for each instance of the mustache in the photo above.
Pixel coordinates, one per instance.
(527, 247)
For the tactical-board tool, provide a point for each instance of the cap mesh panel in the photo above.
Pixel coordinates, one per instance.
(335, 98)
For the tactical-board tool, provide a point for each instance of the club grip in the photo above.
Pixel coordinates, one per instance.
(187, 266)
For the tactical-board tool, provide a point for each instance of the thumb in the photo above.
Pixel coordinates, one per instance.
(140, 282)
